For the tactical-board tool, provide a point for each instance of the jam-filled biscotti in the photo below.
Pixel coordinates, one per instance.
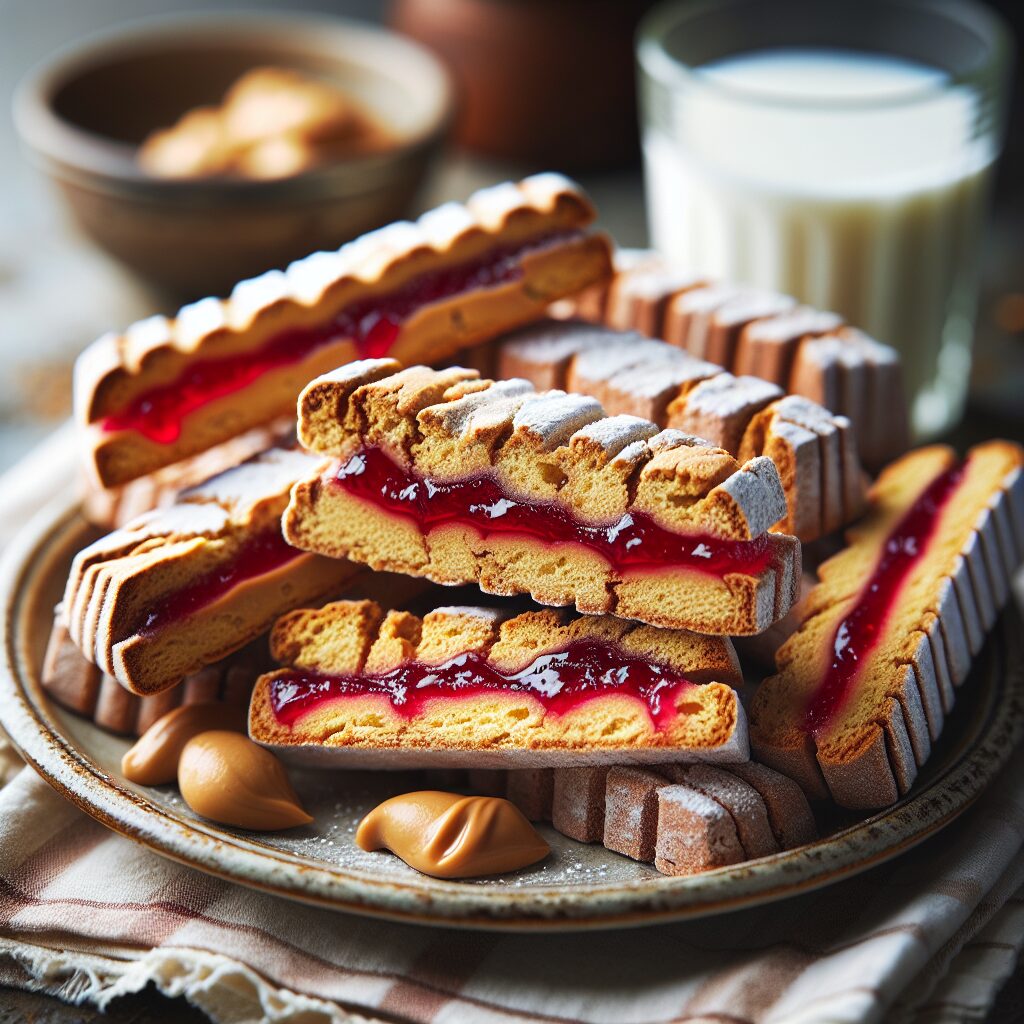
(168, 388)
(474, 687)
(764, 334)
(863, 687)
(814, 450)
(182, 587)
(460, 480)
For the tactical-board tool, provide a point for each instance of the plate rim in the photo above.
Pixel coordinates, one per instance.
(27, 716)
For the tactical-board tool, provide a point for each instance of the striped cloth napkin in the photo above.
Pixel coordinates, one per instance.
(88, 916)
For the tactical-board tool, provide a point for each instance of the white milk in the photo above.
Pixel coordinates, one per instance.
(853, 181)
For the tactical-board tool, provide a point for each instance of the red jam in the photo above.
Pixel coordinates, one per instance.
(635, 543)
(373, 324)
(262, 554)
(560, 682)
(857, 634)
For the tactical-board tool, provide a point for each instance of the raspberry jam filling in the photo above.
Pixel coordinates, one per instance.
(560, 682)
(372, 324)
(635, 543)
(861, 629)
(262, 554)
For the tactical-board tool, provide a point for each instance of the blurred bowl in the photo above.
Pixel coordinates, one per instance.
(84, 112)
(542, 83)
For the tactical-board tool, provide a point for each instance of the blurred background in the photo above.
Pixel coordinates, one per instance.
(96, 232)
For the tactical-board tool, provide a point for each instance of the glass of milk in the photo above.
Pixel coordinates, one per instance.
(838, 151)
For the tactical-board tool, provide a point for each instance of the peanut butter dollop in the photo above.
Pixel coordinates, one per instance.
(154, 758)
(226, 777)
(452, 836)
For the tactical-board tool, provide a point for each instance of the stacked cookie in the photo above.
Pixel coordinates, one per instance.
(814, 450)
(182, 587)
(684, 818)
(762, 334)
(460, 480)
(111, 507)
(79, 685)
(359, 687)
(864, 685)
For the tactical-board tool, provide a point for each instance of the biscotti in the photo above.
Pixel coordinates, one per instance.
(166, 389)
(750, 331)
(814, 450)
(79, 685)
(683, 818)
(182, 587)
(460, 480)
(863, 687)
(111, 507)
(469, 686)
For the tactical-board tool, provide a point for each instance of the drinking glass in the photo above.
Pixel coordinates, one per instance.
(840, 152)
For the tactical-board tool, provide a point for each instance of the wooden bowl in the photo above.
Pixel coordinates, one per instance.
(85, 111)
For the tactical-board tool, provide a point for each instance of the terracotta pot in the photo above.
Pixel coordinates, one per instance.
(547, 83)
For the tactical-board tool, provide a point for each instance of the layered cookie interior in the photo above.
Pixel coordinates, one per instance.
(461, 480)
(181, 587)
(814, 449)
(472, 686)
(864, 685)
(168, 388)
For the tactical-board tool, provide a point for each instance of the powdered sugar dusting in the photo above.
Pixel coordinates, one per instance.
(614, 433)
(725, 395)
(554, 416)
(619, 351)
(800, 322)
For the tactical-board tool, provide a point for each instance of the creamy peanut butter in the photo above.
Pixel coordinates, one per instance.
(153, 760)
(226, 777)
(452, 836)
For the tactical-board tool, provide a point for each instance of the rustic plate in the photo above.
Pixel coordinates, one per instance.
(578, 886)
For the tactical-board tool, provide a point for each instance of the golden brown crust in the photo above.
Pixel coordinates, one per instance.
(351, 638)
(112, 507)
(76, 683)
(869, 753)
(118, 368)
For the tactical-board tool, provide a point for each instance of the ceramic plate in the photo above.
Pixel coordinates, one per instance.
(578, 886)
